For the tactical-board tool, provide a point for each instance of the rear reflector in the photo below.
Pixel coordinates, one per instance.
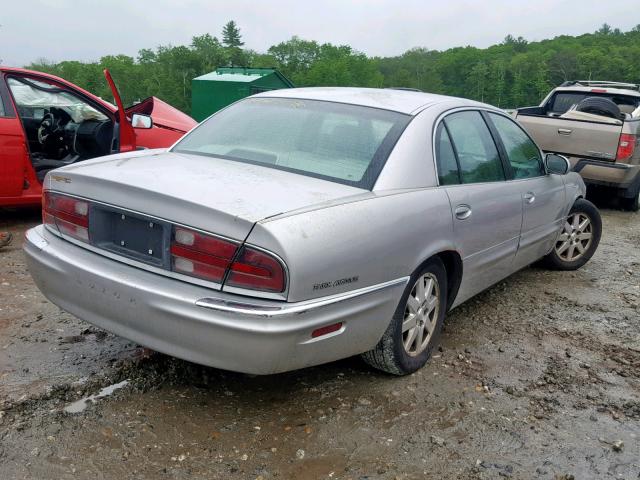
(256, 270)
(319, 332)
(200, 255)
(70, 216)
(626, 146)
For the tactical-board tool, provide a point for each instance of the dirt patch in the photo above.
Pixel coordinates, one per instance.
(539, 377)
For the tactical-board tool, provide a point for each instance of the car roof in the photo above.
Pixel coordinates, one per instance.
(403, 101)
(6, 69)
(598, 89)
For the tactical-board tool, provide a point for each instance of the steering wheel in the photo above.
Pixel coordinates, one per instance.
(49, 127)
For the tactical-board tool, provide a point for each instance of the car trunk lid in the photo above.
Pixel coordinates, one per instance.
(220, 196)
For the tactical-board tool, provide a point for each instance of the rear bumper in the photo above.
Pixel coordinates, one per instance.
(609, 174)
(201, 325)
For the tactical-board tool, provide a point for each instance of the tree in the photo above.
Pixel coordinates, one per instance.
(231, 35)
(232, 40)
(478, 77)
(519, 44)
(605, 29)
(210, 52)
(510, 74)
(295, 56)
(541, 81)
(497, 83)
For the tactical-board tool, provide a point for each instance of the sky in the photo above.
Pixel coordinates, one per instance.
(88, 29)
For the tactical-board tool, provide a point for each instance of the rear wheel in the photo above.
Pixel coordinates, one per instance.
(632, 204)
(415, 328)
(579, 238)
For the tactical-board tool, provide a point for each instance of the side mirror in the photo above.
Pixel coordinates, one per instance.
(141, 121)
(557, 164)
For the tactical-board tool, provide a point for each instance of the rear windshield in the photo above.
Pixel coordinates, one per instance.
(563, 101)
(343, 143)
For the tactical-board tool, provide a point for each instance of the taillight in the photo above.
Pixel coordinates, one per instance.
(70, 216)
(256, 270)
(626, 146)
(200, 255)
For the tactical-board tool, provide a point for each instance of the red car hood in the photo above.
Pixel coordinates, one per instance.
(163, 114)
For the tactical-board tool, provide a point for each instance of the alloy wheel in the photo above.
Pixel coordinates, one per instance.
(575, 239)
(421, 314)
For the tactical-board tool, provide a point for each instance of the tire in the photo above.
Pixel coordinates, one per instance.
(390, 354)
(600, 106)
(631, 204)
(574, 248)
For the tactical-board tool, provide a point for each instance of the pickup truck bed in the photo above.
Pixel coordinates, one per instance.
(601, 147)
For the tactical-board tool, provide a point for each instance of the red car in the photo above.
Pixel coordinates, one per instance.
(47, 122)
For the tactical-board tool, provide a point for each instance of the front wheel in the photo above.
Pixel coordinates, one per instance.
(579, 238)
(415, 327)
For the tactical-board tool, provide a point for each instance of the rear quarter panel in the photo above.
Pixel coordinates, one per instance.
(358, 244)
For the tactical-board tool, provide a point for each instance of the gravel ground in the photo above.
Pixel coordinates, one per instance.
(539, 377)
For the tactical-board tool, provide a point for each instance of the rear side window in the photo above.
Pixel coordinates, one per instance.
(522, 153)
(448, 173)
(563, 101)
(2, 112)
(477, 153)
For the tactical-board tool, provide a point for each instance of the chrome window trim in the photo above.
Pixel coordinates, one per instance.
(265, 310)
(168, 273)
(444, 114)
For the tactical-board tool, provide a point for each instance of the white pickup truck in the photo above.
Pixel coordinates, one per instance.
(596, 125)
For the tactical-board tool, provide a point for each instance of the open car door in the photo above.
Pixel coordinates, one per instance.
(127, 134)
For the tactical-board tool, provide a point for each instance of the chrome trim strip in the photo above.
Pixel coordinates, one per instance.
(264, 310)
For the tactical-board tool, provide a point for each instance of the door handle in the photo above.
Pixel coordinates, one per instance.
(529, 197)
(564, 131)
(462, 212)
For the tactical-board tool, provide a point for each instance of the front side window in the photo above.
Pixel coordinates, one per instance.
(34, 98)
(338, 142)
(524, 156)
(477, 153)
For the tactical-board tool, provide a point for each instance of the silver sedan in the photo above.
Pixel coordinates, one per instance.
(301, 226)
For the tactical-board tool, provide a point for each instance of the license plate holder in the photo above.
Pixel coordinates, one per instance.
(134, 236)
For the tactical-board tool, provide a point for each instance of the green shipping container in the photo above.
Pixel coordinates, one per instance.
(222, 87)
